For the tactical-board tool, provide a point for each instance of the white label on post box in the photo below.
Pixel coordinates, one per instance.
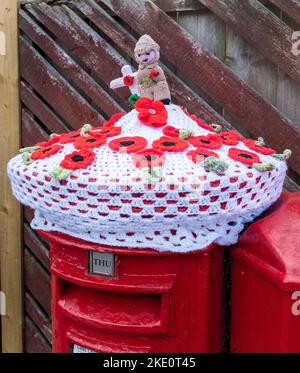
(102, 263)
(82, 350)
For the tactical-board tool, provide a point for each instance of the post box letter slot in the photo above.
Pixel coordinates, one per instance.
(101, 263)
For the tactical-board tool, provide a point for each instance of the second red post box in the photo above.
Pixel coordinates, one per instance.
(266, 282)
(108, 299)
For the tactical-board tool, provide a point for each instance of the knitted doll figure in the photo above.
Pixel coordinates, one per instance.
(151, 80)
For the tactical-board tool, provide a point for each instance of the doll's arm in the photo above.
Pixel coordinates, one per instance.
(128, 79)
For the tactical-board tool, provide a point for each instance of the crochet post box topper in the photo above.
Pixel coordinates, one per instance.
(155, 177)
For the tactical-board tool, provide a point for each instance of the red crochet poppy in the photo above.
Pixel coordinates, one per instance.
(171, 131)
(199, 155)
(107, 131)
(170, 144)
(45, 152)
(113, 120)
(78, 160)
(149, 158)
(258, 148)
(243, 156)
(128, 80)
(200, 123)
(66, 138)
(128, 144)
(89, 142)
(151, 113)
(235, 134)
(229, 138)
(49, 142)
(209, 142)
(153, 74)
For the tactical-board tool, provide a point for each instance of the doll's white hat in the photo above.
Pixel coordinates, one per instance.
(144, 44)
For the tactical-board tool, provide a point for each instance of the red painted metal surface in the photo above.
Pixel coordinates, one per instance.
(266, 282)
(154, 302)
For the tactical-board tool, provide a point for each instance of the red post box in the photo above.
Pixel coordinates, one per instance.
(108, 299)
(266, 282)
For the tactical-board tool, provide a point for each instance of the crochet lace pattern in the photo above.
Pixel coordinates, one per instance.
(114, 200)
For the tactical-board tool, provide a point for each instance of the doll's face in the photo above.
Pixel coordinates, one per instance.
(147, 58)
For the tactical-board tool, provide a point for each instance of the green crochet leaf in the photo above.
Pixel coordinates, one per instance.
(29, 149)
(263, 167)
(284, 156)
(60, 173)
(26, 158)
(215, 164)
(185, 134)
(216, 127)
(85, 129)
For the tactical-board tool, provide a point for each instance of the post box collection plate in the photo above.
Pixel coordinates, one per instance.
(101, 263)
(82, 350)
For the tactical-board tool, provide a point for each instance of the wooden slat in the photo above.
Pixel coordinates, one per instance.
(208, 29)
(36, 246)
(24, 2)
(34, 340)
(249, 65)
(206, 71)
(67, 66)
(37, 315)
(37, 281)
(55, 89)
(290, 185)
(41, 110)
(290, 7)
(28, 213)
(181, 93)
(82, 42)
(182, 5)
(261, 28)
(178, 5)
(31, 131)
(288, 97)
(10, 211)
(211, 32)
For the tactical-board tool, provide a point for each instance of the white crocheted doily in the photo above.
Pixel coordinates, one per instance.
(110, 203)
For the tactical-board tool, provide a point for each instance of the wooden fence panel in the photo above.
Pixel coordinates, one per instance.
(40, 110)
(261, 28)
(290, 7)
(39, 318)
(54, 88)
(34, 340)
(68, 67)
(70, 50)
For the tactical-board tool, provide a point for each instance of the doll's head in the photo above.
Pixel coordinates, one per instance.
(146, 51)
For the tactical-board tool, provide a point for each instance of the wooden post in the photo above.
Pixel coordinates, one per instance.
(10, 210)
